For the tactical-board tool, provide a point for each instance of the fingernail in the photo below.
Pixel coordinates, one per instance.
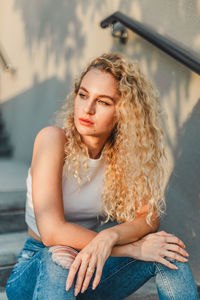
(185, 259)
(83, 290)
(175, 267)
(76, 292)
(67, 287)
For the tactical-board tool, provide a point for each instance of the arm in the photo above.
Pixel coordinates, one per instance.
(128, 232)
(46, 168)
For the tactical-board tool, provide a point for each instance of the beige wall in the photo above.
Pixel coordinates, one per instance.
(49, 42)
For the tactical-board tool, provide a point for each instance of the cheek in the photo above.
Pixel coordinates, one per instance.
(108, 119)
(76, 109)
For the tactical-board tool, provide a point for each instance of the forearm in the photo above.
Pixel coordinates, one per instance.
(77, 237)
(132, 231)
(120, 251)
(68, 234)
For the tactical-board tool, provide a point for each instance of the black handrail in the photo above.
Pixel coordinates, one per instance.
(156, 39)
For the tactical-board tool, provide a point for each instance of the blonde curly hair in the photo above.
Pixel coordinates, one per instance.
(135, 155)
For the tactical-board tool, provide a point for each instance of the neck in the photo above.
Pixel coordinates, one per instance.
(94, 146)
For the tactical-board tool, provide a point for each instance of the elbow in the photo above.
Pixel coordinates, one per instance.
(50, 233)
(47, 240)
(48, 237)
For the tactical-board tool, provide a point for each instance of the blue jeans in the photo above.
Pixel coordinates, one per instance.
(37, 276)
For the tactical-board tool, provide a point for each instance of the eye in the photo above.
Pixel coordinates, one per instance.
(103, 102)
(81, 95)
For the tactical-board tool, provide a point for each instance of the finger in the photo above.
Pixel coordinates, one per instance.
(176, 248)
(164, 233)
(171, 238)
(174, 240)
(98, 273)
(81, 275)
(89, 274)
(72, 272)
(167, 263)
(175, 256)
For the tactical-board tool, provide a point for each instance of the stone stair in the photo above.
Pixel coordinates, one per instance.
(13, 230)
(5, 147)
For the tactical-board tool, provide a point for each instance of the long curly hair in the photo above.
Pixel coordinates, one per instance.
(135, 155)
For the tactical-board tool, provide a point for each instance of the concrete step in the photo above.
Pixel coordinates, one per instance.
(11, 244)
(3, 296)
(13, 176)
(12, 221)
(12, 200)
(12, 209)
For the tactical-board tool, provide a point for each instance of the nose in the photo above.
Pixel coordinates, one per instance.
(90, 107)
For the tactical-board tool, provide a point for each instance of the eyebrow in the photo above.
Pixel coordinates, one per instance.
(103, 96)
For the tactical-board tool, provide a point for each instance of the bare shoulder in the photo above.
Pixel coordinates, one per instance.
(51, 133)
(49, 143)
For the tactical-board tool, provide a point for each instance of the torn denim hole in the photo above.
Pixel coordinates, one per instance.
(25, 255)
(63, 255)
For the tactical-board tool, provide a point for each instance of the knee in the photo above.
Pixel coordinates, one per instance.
(63, 255)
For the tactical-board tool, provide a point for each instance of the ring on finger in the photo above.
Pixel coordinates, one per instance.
(91, 269)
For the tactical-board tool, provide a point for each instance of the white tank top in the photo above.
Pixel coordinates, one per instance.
(82, 202)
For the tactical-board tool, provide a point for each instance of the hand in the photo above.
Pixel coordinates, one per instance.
(157, 246)
(93, 255)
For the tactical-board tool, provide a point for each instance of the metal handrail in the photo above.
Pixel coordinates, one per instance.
(156, 39)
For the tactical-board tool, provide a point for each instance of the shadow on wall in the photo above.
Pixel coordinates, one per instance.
(183, 190)
(30, 111)
(58, 25)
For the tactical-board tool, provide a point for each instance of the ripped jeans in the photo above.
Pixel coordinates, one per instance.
(37, 276)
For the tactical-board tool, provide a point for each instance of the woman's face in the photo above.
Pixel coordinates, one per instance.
(95, 104)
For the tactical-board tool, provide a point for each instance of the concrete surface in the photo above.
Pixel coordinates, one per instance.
(13, 175)
(12, 195)
(3, 296)
(11, 243)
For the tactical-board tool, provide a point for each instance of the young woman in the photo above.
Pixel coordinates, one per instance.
(105, 164)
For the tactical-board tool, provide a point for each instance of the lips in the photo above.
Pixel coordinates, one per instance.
(86, 121)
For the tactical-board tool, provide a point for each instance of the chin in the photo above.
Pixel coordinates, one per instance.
(83, 131)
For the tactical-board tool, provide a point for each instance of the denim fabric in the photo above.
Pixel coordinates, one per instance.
(37, 276)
